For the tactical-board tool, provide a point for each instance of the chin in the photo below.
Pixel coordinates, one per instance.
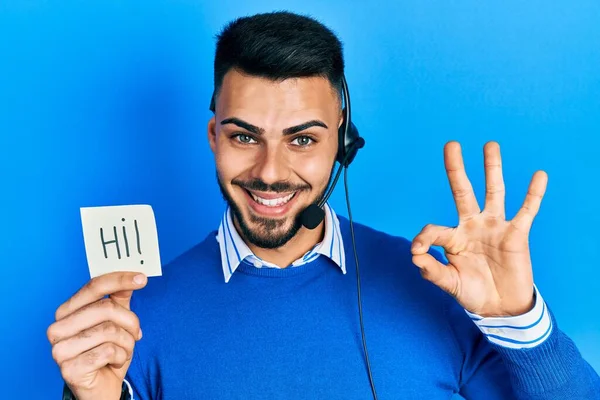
(267, 232)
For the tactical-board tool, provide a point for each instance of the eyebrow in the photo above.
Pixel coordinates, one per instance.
(287, 131)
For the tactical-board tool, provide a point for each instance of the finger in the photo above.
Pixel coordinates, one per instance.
(462, 191)
(92, 315)
(92, 360)
(494, 181)
(443, 276)
(101, 286)
(531, 205)
(431, 235)
(87, 339)
(122, 298)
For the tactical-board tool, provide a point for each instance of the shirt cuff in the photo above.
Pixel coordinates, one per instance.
(519, 332)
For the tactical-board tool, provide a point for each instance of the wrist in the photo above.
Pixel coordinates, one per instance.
(522, 331)
(514, 309)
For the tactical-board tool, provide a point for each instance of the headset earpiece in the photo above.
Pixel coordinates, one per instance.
(348, 144)
(349, 140)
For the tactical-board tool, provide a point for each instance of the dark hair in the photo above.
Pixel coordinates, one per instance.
(278, 45)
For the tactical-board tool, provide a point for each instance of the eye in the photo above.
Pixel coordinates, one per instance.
(303, 141)
(243, 138)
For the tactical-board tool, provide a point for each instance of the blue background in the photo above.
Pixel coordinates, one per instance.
(106, 102)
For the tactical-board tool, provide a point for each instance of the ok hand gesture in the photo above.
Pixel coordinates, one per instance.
(489, 271)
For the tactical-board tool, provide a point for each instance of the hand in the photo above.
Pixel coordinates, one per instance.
(93, 337)
(489, 270)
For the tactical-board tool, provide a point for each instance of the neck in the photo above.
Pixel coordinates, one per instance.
(296, 247)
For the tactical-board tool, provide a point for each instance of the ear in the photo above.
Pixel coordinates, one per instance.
(212, 133)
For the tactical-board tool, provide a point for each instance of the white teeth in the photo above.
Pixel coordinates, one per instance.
(272, 202)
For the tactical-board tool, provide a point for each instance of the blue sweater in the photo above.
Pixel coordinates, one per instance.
(294, 333)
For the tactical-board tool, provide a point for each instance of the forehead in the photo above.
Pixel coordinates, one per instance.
(242, 93)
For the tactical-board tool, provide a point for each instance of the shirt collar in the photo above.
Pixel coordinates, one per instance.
(234, 250)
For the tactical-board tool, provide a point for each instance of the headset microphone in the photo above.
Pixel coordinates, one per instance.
(314, 214)
(349, 142)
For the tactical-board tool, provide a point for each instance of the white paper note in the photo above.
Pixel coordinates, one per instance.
(121, 238)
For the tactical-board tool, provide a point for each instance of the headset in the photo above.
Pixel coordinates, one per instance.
(349, 142)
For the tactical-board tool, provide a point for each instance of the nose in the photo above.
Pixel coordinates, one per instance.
(272, 165)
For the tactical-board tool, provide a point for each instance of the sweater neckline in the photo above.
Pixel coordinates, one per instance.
(315, 266)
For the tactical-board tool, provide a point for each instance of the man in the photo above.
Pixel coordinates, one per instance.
(266, 308)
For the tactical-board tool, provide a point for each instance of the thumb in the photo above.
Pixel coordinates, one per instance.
(443, 276)
(123, 297)
(431, 235)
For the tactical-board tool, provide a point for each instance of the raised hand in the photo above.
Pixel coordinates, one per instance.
(489, 270)
(93, 336)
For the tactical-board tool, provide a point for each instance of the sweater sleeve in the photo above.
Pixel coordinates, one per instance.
(553, 369)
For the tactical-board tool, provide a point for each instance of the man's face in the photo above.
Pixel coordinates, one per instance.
(275, 145)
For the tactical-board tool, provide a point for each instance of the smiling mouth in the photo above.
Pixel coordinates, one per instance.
(271, 201)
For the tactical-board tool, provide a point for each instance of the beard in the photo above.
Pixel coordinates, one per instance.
(269, 232)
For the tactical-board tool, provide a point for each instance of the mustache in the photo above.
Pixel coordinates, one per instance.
(277, 187)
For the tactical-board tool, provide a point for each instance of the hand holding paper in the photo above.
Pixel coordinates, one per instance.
(94, 336)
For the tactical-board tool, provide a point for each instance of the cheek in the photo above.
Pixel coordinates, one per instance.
(315, 170)
(230, 162)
